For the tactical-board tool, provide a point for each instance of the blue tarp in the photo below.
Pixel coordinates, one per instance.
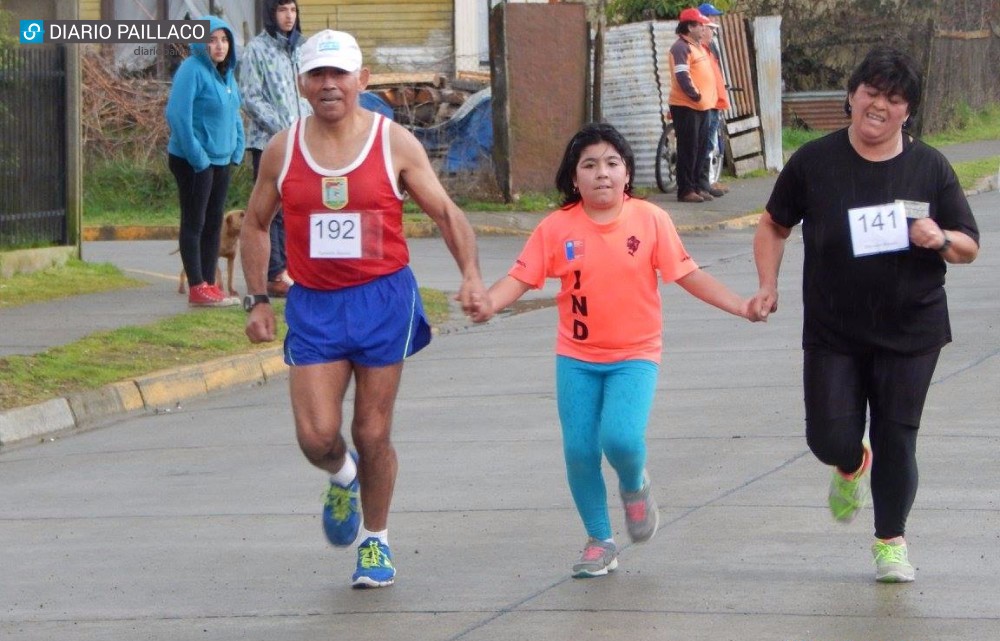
(375, 103)
(466, 139)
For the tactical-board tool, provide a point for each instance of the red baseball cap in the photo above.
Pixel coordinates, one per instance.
(693, 15)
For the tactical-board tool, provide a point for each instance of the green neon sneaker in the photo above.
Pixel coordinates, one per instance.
(375, 569)
(892, 564)
(849, 495)
(598, 558)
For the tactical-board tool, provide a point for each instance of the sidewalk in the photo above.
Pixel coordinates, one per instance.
(35, 328)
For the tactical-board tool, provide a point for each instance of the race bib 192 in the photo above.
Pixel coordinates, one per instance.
(335, 235)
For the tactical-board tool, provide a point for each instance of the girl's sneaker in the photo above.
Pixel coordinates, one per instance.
(598, 558)
(642, 517)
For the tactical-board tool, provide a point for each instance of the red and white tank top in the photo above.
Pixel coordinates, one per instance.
(344, 226)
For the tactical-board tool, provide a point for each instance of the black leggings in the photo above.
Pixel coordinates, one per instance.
(202, 198)
(839, 388)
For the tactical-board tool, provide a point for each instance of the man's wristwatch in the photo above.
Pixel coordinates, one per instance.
(947, 242)
(252, 300)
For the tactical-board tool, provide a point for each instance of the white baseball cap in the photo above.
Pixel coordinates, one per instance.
(330, 48)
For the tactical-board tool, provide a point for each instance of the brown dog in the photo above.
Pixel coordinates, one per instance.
(229, 241)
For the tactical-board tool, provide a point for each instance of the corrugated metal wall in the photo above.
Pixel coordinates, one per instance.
(736, 61)
(819, 110)
(400, 36)
(630, 98)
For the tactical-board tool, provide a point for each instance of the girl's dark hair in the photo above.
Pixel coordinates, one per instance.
(891, 71)
(591, 134)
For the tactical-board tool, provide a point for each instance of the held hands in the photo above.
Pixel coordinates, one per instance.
(762, 304)
(750, 311)
(475, 301)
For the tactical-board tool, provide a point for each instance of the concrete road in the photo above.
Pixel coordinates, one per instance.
(202, 522)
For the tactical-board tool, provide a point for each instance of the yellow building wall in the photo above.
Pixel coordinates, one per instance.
(90, 9)
(395, 36)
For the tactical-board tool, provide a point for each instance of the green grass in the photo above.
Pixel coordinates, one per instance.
(969, 127)
(102, 358)
(971, 173)
(792, 138)
(122, 354)
(76, 277)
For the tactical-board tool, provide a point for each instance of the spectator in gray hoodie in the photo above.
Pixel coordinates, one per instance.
(268, 76)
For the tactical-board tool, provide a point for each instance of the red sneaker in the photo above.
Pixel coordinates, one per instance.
(205, 295)
(227, 300)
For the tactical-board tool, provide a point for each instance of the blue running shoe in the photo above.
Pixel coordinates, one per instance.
(342, 511)
(375, 569)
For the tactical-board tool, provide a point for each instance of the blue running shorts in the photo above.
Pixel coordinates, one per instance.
(376, 324)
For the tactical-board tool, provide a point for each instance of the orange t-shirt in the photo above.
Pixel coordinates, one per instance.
(689, 57)
(609, 302)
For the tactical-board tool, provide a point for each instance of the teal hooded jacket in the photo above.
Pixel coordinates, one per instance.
(203, 109)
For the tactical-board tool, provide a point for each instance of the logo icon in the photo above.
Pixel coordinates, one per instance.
(32, 32)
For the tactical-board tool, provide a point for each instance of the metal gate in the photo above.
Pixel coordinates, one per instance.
(33, 166)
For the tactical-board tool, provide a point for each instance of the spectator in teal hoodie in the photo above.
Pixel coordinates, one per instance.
(206, 137)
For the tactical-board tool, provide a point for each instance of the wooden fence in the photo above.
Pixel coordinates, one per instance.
(962, 69)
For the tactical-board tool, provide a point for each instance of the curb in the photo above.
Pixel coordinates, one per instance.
(740, 222)
(153, 393)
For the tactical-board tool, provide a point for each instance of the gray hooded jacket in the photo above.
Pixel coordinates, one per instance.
(268, 80)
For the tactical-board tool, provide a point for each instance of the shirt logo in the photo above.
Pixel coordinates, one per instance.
(335, 192)
(574, 249)
(632, 245)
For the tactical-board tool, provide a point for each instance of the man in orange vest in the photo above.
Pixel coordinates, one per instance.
(692, 94)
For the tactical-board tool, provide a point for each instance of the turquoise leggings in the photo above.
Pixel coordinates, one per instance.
(603, 409)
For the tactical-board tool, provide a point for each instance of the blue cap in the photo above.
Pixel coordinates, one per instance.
(708, 9)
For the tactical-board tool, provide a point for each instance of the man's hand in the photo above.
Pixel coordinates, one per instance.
(261, 325)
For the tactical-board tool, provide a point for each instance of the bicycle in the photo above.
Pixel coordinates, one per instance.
(666, 157)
